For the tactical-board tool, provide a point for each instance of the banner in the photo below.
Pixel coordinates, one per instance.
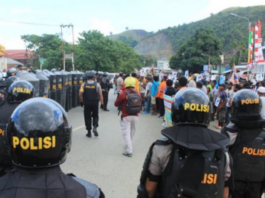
(222, 79)
(168, 104)
(199, 78)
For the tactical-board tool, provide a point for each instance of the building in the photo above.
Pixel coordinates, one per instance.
(22, 56)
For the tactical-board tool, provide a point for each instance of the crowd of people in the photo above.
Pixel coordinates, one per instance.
(153, 87)
(191, 160)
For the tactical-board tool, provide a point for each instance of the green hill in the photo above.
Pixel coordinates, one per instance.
(132, 37)
(232, 31)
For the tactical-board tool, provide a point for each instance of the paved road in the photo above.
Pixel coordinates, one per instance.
(100, 160)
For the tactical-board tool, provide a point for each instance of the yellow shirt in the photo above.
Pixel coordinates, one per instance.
(137, 85)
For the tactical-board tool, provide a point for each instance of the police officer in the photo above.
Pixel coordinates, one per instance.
(105, 85)
(18, 92)
(11, 72)
(39, 138)
(191, 160)
(9, 81)
(30, 68)
(89, 95)
(247, 145)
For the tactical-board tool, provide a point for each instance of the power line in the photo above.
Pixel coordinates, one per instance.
(28, 23)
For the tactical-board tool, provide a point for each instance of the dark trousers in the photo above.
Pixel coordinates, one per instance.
(91, 111)
(244, 189)
(105, 98)
(157, 104)
(161, 107)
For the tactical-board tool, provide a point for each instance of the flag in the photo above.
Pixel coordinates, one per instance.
(234, 78)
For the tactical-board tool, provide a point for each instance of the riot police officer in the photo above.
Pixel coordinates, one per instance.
(11, 72)
(247, 145)
(191, 160)
(105, 86)
(9, 81)
(89, 95)
(39, 138)
(18, 92)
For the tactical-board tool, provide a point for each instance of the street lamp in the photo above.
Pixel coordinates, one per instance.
(249, 24)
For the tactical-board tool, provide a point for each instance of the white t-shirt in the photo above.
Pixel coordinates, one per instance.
(263, 107)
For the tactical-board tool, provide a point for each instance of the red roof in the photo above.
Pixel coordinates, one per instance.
(18, 54)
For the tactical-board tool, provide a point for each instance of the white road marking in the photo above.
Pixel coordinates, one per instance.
(80, 127)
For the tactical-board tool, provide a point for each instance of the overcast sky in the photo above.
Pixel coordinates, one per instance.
(103, 15)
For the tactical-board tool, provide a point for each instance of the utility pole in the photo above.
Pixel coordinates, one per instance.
(62, 46)
(73, 48)
(63, 53)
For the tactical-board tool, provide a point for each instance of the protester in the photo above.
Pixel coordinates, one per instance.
(148, 95)
(220, 104)
(213, 96)
(230, 95)
(154, 90)
(199, 85)
(137, 84)
(130, 100)
(160, 96)
(237, 87)
(170, 91)
(183, 82)
(119, 83)
(192, 83)
(142, 90)
(177, 86)
(209, 90)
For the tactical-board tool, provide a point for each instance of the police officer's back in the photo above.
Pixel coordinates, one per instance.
(89, 95)
(18, 92)
(190, 161)
(39, 138)
(105, 86)
(247, 145)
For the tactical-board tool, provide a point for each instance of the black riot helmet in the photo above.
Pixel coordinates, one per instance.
(191, 106)
(20, 91)
(90, 75)
(10, 72)
(38, 134)
(246, 106)
(105, 74)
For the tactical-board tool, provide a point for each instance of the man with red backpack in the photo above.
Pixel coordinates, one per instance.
(131, 103)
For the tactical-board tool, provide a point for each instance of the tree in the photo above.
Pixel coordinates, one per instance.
(197, 50)
(49, 47)
(97, 52)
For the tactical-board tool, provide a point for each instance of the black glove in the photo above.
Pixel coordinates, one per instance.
(102, 106)
(81, 104)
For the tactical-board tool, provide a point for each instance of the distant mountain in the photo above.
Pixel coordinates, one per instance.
(232, 31)
(132, 37)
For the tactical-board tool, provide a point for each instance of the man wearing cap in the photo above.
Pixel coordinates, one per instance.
(30, 68)
(261, 93)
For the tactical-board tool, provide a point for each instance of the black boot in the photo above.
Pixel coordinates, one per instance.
(95, 131)
(88, 134)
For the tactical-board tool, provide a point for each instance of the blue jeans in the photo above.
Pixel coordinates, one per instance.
(147, 104)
